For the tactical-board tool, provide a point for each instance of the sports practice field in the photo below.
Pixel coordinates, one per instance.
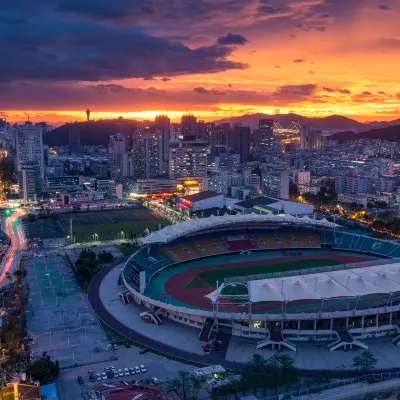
(110, 224)
(187, 284)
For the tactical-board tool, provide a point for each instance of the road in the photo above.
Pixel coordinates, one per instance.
(13, 228)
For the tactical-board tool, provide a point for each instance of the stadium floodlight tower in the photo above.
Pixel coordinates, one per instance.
(231, 293)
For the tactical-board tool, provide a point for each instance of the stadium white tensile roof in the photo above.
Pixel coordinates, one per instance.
(182, 229)
(384, 279)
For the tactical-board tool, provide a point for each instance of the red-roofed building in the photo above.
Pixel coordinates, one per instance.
(125, 391)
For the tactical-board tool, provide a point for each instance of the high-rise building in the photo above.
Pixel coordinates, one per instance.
(163, 124)
(29, 183)
(148, 152)
(74, 139)
(201, 130)
(29, 145)
(210, 131)
(118, 156)
(221, 134)
(189, 125)
(311, 139)
(275, 183)
(187, 158)
(264, 135)
(239, 141)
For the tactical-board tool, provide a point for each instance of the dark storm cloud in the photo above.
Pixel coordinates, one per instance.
(344, 91)
(383, 7)
(299, 60)
(165, 79)
(383, 93)
(74, 49)
(366, 93)
(232, 39)
(307, 28)
(114, 97)
(330, 90)
(202, 90)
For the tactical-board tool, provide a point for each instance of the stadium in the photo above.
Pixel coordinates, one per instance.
(276, 279)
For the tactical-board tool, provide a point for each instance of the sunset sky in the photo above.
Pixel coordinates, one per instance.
(214, 58)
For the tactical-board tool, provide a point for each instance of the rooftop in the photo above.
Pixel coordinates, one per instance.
(201, 196)
(257, 201)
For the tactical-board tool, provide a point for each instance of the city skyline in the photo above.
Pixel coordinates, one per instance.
(212, 59)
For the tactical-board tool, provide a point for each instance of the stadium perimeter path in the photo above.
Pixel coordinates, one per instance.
(311, 359)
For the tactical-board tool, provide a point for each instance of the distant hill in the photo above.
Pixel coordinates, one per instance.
(332, 122)
(92, 132)
(391, 133)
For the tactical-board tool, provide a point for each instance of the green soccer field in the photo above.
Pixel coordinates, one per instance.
(212, 276)
(110, 224)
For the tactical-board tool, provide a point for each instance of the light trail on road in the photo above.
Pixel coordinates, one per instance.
(12, 227)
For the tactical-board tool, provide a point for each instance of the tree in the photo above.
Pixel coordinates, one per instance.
(87, 253)
(365, 362)
(293, 189)
(105, 256)
(283, 370)
(44, 368)
(257, 362)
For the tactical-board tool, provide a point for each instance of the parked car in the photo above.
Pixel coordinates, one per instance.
(132, 371)
(115, 346)
(143, 368)
(110, 374)
(126, 372)
(120, 372)
(104, 376)
(92, 377)
(137, 369)
(143, 350)
(90, 372)
(98, 376)
(155, 380)
(80, 380)
(127, 345)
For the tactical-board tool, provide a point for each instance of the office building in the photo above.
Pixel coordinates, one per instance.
(29, 145)
(201, 130)
(189, 125)
(239, 141)
(163, 124)
(148, 152)
(118, 156)
(311, 139)
(264, 135)
(275, 183)
(29, 183)
(210, 131)
(187, 158)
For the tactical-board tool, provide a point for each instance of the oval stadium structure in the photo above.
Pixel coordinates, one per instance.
(274, 278)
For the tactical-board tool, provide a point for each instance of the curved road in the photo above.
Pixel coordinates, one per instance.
(13, 229)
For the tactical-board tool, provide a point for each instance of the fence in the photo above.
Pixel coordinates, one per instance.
(307, 271)
(336, 384)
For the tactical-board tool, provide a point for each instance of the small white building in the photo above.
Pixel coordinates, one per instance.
(202, 201)
(265, 204)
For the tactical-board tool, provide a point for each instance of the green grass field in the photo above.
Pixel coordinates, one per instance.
(108, 224)
(196, 283)
(211, 277)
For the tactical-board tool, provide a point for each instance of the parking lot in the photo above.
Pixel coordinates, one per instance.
(156, 367)
(59, 318)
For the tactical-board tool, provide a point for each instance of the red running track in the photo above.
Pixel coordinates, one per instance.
(176, 286)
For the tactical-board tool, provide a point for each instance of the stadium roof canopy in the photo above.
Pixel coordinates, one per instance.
(195, 225)
(355, 282)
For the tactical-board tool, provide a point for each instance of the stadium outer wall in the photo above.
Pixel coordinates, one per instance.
(295, 327)
(310, 326)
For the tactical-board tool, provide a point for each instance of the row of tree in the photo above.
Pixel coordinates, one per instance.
(88, 264)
